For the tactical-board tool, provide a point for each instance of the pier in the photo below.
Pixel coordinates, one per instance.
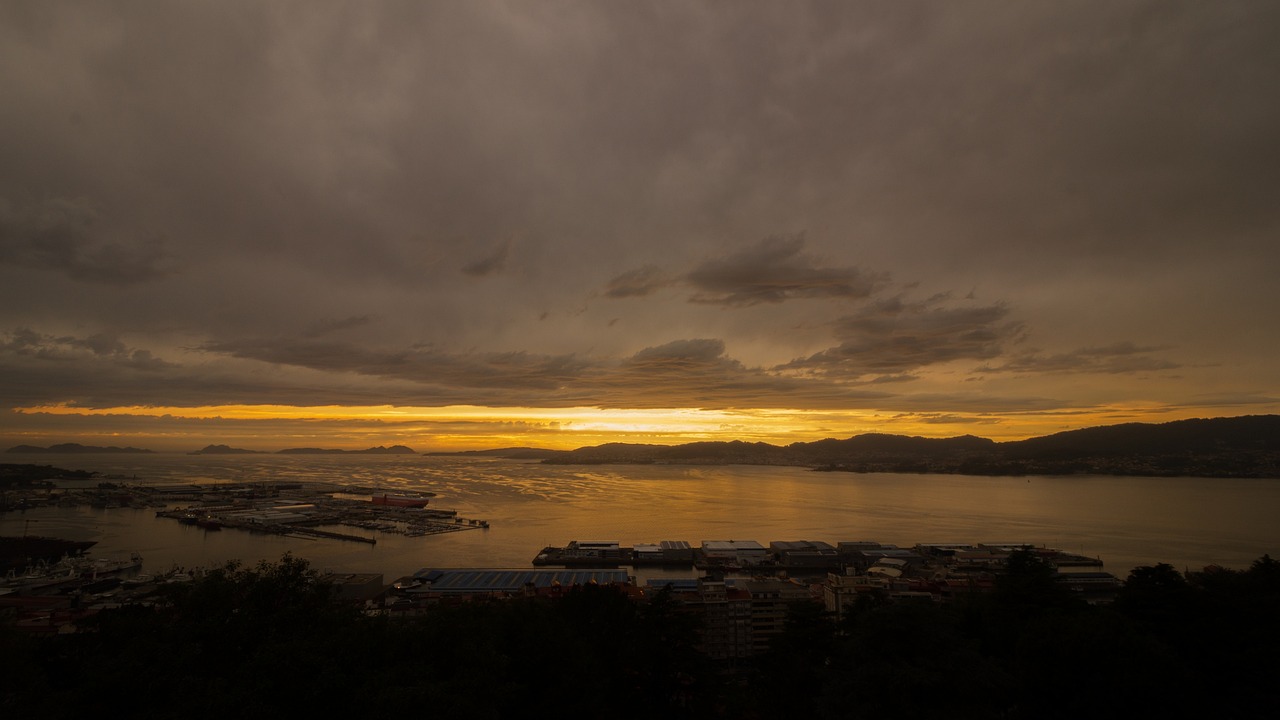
(302, 512)
(322, 534)
(800, 557)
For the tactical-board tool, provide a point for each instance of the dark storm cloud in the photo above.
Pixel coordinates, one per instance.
(96, 371)
(894, 379)
(677, 351)
(775, 270)
(637, 283)
(698, 373)
(894, 337)
(1120, 358)
(144, 360)
(493, 263)
(26, 342)
(680, 373)
(44, 370)
(63, 373)
(312, 168)
(59, 235)
(425, 365)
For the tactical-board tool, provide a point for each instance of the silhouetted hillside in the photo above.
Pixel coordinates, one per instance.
(1248, 433)
(73, 448)
(879, 445)
(27, 474)
(1221, 447)
(380, 450)
(715, 453)
(224, 450)
(512, 453)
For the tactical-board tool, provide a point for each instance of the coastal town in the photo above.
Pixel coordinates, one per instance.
(742, 590)
(715, 617)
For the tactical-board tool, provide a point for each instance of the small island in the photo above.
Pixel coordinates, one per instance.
(224, 450)
(73, 448)
(27, 475)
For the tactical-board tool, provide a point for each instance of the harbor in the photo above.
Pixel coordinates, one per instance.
(797, 558)
(299, 509)
(531, 506)
(177, 524)
(70, 574)
(305, 510)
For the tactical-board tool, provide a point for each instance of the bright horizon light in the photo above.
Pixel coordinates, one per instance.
(468, 427)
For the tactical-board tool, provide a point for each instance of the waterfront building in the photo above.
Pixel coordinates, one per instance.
(805, 553)
(676, 551)
(610, 550)
(648, 553)
(863, 558)
(735, 552)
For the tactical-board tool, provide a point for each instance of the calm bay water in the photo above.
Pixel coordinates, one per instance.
(1187, 522)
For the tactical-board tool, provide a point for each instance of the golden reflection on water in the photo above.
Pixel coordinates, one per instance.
(1187, 522)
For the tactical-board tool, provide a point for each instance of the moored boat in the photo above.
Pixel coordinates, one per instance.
(406, 501)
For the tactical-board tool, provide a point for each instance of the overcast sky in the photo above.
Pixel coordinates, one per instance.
(555, 223)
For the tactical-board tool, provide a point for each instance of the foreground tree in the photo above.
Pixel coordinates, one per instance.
(271, 641)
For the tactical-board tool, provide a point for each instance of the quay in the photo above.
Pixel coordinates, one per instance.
(302, 511)
(322, 534)
(798, 557)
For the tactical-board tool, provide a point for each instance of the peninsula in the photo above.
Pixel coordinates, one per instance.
(73, 448)
(1246, 446)
(380, 450)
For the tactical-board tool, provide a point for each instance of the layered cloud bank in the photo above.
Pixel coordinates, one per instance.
(785, 221)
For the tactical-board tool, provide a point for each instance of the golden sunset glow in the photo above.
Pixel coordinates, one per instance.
(528, 231)
(473, 428)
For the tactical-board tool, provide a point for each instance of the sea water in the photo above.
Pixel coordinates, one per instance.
(1126, 521)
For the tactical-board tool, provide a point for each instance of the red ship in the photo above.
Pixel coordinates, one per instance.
(408, 501)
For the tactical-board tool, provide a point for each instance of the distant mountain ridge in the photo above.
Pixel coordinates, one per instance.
(224, 450)
(511, 453)
(1247, 446)
(72, 448)
(380, 450)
